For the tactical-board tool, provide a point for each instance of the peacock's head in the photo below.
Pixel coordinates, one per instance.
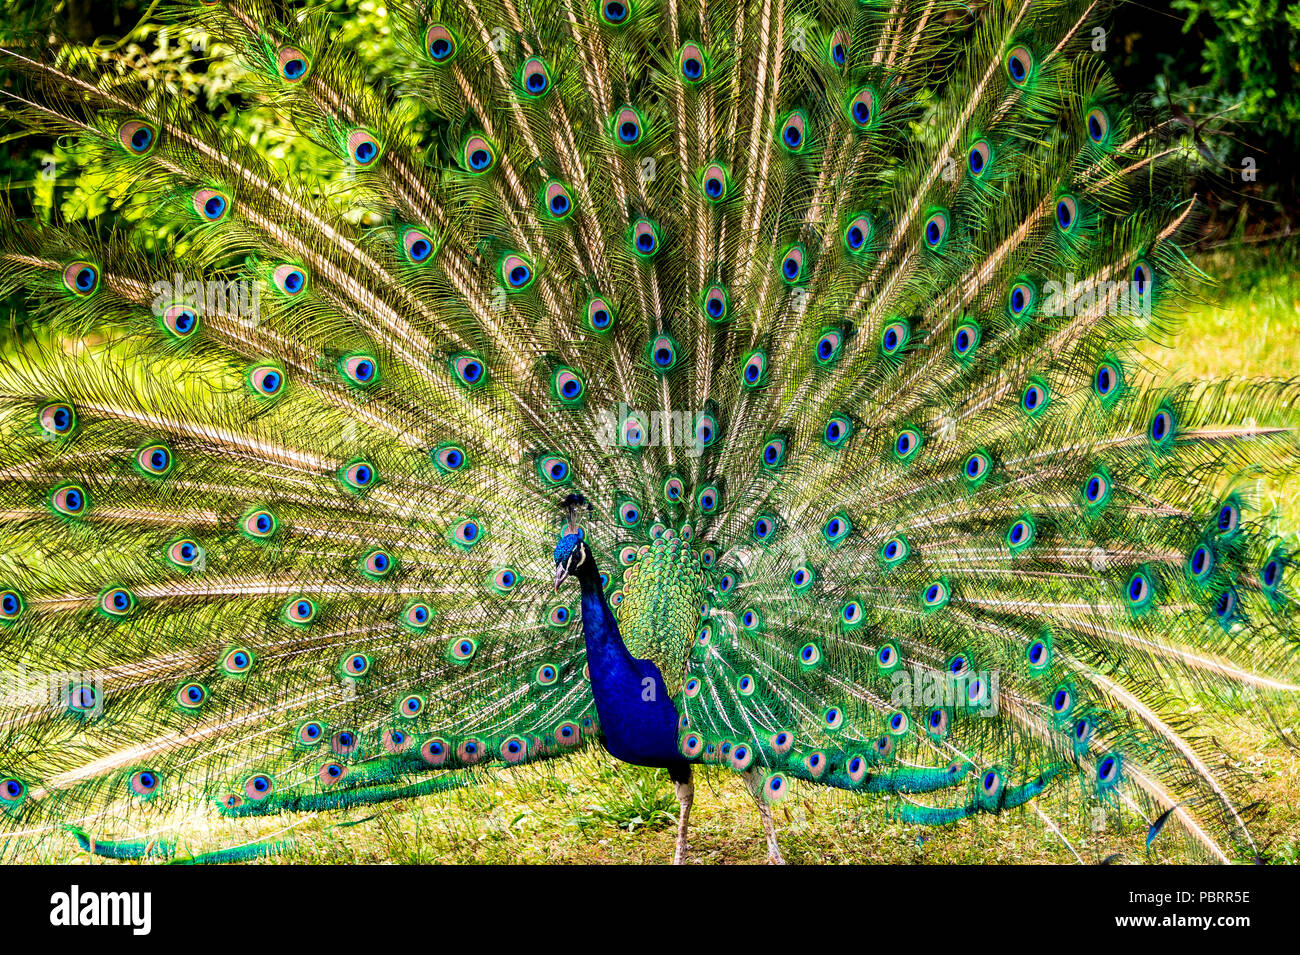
(571, 553)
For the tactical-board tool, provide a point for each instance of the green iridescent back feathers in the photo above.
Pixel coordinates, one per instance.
(831, 309)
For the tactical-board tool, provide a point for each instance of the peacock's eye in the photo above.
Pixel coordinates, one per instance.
(627, 126)
(692, 63)
(600, 315)
(448, 458)
(556, 200)
(857, 233)
(360, 370)
(137, 136)
(753, 372)
(11, 605)
(935, 230)
(211, 204)
(293, 64)
(516, 272)
(144, 782)
(715, 182)
(259, 524)
(894, 336)
(57, 419)
(191, 696)
(839, 47)
(417, 246)
(440, 44)
(359, 475)
(794, 264)
(534, 76)
(363, 148)
(662, 353)
(310, 733)
(827, 349)
(180, 320)
(615, 12)
(1098, 125)
(1067, 213)
(863, 108)
(468, 369)
(1034, 399)
(794, 131)
(81, 278)
(1020, 65)
(300, 610)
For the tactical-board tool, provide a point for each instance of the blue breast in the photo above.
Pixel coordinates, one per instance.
(637, 715)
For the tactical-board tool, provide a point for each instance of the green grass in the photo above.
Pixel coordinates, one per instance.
(592, 809)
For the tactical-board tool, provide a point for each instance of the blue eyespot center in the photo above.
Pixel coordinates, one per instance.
(1271, 571)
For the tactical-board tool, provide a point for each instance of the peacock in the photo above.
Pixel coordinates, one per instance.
(756, 385)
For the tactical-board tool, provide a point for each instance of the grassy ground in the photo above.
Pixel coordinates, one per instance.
(595, 810)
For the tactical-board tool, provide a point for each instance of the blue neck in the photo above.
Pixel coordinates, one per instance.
(637, 716)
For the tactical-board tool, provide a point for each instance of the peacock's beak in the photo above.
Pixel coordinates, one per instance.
(561, 572)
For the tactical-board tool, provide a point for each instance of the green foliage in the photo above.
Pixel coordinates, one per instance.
(642, 802)
(1250, 58)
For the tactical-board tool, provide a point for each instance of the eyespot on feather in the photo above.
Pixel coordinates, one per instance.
(793, 133)
(180, 320)
(57, 419)
(628, 126)
(81, 278)
(293, 64)
(211, 205)
(70, 500)
(534, 77)
(359, 369)
(137, 137)
(259, 524)
(417, 246)
(440, 44)
(478, 154)
(516, 272)
(266, 381)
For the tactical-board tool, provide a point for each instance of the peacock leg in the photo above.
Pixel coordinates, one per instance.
(685, 796)
(754, 783)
